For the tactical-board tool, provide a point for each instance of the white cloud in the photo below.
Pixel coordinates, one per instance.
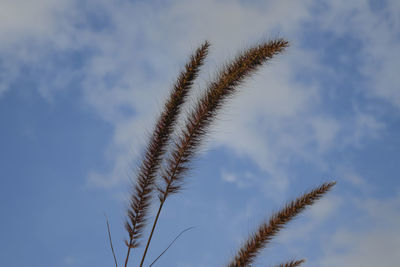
(348, 174)
(272, 121)
(228, 177)
(377, 29)
(190, 16)
(326, 130)
(375, 243)
(369, 249)
(242, 180)
(30, 30)
(20, 19)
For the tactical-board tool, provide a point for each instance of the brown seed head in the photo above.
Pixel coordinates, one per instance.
(206, 109)
(141, 195)
(258, 240)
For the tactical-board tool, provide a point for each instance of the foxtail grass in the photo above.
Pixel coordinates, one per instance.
(142, 192)
(166, 159)
(206, 110)
(203, 115)
(267, 230)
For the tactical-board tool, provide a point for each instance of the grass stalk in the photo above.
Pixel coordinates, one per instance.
(110, 240)
(142, 191)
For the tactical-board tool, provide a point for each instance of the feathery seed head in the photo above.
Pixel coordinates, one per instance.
(205, 112)
(141, 195)
(258, 240)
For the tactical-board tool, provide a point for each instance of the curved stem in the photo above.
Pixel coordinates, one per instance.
(170, 244)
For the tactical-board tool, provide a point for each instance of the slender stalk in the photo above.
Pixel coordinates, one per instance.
(266, 231)
(151, 233)
(170, 244)
(111, 244)
(127, 256)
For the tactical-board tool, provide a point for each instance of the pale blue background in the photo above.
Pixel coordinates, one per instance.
(81, 83)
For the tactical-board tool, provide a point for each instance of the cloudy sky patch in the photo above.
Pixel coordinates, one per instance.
(81, 84)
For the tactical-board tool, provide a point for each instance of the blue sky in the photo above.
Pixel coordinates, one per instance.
(82, 82)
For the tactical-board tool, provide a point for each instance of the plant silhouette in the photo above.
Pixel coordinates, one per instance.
(167, 158)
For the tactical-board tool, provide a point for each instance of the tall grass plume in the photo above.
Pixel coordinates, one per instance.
(167, 159)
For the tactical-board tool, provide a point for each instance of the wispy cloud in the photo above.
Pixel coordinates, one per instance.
(376, 26)
(327, 96)
(128, 62)
(373, 243)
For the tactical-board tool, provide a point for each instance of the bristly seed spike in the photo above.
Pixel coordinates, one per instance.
(205, 112)
(266, 231)
(158, 143)
(292, 263)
